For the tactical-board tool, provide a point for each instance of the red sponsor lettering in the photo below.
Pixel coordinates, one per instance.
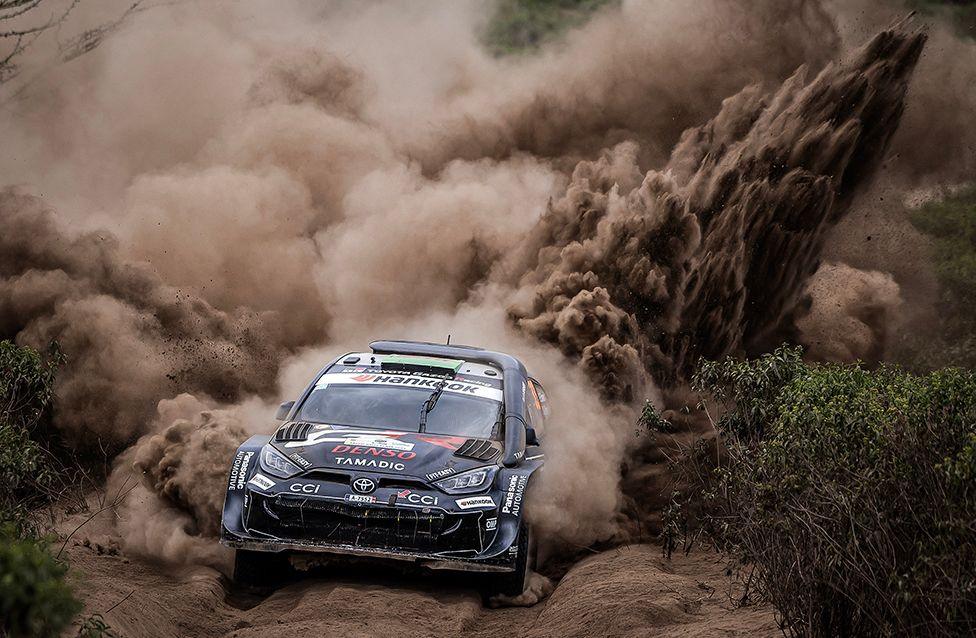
(373, 451)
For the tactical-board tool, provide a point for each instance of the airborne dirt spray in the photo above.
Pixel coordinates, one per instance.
(287, 188)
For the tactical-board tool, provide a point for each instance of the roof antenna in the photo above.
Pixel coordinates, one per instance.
(448, 339)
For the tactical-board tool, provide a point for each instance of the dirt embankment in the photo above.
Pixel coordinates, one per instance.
(628, 591)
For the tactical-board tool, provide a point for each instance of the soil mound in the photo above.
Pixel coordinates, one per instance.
(628, 591)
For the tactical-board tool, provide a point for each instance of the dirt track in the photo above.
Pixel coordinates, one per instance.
(630, 591)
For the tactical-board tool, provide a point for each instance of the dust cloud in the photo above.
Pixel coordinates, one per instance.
(709, 256)
(180, 478)
(207, 206)
(850, 314)
(130, 338)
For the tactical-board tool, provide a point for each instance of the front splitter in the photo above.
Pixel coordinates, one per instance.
(425, 560)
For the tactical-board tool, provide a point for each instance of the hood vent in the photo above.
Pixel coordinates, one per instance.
(478, 449)
(296, 431)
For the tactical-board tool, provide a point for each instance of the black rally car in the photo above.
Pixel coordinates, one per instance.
(415, 451)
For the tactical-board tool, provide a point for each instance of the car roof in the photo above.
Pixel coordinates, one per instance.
(503, 361)
(420, 364)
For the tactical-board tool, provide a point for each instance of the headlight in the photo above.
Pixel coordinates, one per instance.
(274, 462)
(470, 481)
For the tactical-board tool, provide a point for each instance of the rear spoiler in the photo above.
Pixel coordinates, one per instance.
(513, 376)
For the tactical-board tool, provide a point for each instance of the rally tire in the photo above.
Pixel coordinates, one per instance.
(514, 583)
(260, 571)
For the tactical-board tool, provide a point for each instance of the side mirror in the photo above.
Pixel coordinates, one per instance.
(283, 410)
(530, 436)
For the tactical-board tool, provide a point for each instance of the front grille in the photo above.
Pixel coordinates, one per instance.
(297, 431)
(315, 519)
(402, 483)
(326, 475)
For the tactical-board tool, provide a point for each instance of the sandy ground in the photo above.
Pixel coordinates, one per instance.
(628, 591)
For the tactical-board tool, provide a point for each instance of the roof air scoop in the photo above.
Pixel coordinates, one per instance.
(427, 365)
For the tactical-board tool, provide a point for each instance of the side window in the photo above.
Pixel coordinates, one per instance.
(538, 406)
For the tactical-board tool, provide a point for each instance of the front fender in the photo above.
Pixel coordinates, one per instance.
(243, 467)
(512, 485)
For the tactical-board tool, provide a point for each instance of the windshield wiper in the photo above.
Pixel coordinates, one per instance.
(429, 405)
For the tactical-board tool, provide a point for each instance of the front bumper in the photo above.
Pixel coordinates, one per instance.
(435, 537)
(404, 519)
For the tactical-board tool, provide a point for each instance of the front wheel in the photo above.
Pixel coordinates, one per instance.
(260, 571)
(514, 583)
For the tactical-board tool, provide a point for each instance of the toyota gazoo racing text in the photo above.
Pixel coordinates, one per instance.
(415, 451)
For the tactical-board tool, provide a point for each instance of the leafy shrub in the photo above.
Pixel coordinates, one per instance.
(35, 600)
(524, 25)
(849, 492)
(26, 382)
(26, 390)
(95, 627)
(951, 223)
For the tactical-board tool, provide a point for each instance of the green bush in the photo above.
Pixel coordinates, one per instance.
(35, 600)
(95, 627)
(951, 223)
(26, 390)
(848, 493)
(26, 382)
(524, 25)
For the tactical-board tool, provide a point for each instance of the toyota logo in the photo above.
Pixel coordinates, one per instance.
(364, 485)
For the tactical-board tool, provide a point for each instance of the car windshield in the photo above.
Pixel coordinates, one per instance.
(398, 408)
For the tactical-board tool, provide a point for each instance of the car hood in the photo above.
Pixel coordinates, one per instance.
(426, 456)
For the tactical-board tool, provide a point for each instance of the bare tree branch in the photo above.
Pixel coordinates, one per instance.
(90, 38)
(22, 22)
(17, 36)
